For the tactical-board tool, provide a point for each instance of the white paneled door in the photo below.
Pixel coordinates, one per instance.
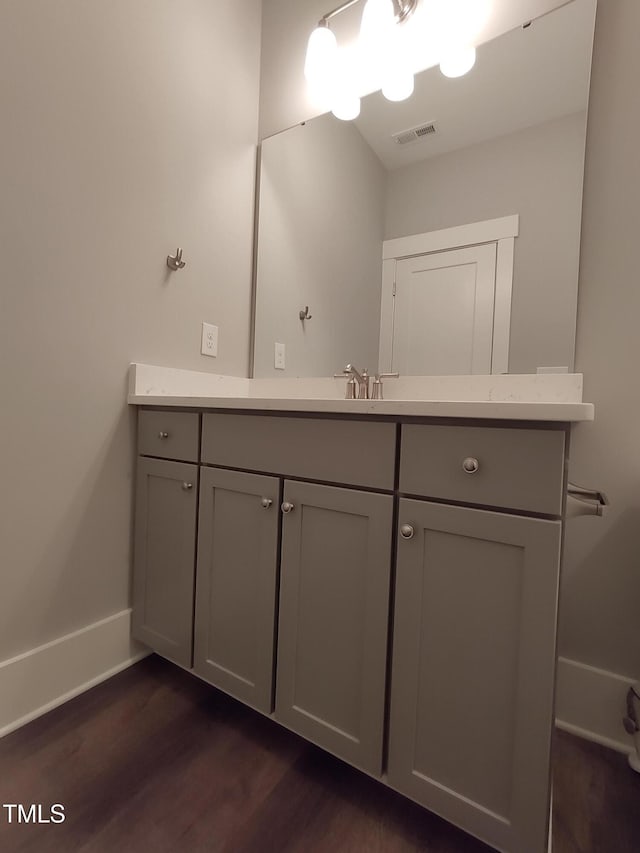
(444, 311)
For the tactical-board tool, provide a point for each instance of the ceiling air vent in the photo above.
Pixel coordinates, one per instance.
(414, 133)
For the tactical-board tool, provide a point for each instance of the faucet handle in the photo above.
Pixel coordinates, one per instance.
(350, 390)
(376, 388)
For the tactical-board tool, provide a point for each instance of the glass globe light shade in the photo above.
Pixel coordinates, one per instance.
(398, 85)
(458, 62)
(378, 20)
(322, 51)
(376, 32)
(346, 106)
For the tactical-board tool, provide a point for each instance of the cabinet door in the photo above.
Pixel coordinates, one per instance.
(236, 584)
(334, 611)
(164, 559)
(473, 669)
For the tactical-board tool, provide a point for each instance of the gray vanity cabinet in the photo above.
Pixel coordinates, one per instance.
(236, 584)
(165, 541)
(473, 669)
(296, 578)
(334, 600)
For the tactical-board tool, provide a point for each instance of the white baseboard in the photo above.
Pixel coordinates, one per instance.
(590, 702)
(43, 678)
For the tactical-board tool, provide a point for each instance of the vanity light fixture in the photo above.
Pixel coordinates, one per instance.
(333, 83)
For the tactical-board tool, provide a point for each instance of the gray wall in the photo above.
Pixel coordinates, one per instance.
(128, 128)
(325, 255)
(600, 613)
(536, 173)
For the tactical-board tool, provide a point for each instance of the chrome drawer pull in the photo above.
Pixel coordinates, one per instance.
(163, 434)
(265, 503)
(286, 507)
(470, 465)
(187, 486)
(407, 531)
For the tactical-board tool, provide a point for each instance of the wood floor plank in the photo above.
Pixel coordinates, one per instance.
(596, 799)
(156, 760)
(325, 805)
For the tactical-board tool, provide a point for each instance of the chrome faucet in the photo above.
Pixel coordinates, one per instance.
(358, 383)
(361, 378)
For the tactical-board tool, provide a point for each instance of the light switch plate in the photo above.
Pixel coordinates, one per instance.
(209, 345)
(278, 357)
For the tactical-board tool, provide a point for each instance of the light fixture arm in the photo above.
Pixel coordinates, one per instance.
(324, 20)
(403, 9)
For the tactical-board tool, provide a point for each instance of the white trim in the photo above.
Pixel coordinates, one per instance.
(594, 737)
(40, 679)
(502, 305)
(385, 356)
(590, 703)
(489, 231)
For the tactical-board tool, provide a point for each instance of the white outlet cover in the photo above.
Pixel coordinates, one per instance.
(209, 343)
(279, 356)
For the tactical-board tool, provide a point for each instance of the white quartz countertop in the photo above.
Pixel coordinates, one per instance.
(548, 397)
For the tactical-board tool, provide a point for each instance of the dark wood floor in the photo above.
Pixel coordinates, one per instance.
(154, 760)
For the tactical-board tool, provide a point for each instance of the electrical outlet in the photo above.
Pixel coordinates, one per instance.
(209, 345)
(278, 358)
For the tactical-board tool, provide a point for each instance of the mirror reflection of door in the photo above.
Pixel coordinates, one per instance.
(443, 312)
(446, 300)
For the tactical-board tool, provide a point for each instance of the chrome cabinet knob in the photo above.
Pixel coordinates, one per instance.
(163, 434)
(265, 503)
(470, 465)
(187, 486)
(407, 531)
(286, 507)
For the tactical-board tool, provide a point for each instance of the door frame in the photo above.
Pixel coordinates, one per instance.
(501, 231)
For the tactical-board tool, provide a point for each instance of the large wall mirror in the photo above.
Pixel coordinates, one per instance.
(439, 235)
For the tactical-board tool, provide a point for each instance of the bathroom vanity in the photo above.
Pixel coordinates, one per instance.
(383, 584)
(381, 576)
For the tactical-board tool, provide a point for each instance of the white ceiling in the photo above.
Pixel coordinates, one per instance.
(523, 78)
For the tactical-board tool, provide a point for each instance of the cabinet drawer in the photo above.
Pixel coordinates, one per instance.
(519, 469)
(353, 452)
(169, 435)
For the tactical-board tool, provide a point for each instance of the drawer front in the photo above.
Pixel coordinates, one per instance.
(169, 435)
(352, 452)
(519, 469)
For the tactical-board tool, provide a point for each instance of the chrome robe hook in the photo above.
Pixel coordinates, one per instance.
(175, 262)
